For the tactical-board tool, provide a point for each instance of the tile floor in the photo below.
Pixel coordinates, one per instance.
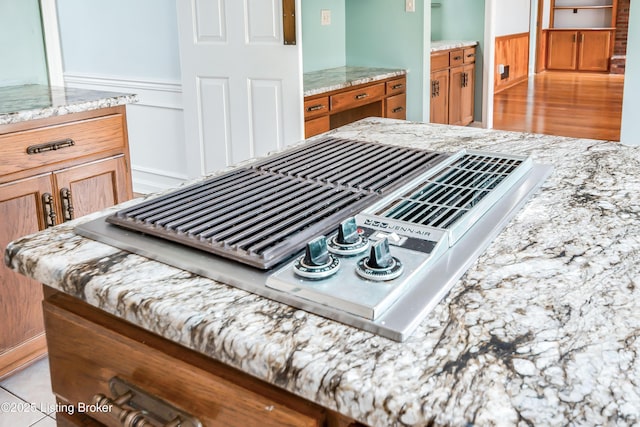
(26, 399)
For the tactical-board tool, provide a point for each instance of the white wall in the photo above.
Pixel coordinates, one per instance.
(132, 47)
(630, 129)
(22, 59)
(512, 17)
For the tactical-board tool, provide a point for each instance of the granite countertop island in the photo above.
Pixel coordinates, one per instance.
(30, 102)
(544, 329)
(322, 81)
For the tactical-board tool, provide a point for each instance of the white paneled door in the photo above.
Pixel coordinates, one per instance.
(242, 85)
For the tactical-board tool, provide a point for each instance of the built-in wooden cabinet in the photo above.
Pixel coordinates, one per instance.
(52, 170)
(97, 358)
(581, 34)
(452, 86)
(584, 50)
(330, 110)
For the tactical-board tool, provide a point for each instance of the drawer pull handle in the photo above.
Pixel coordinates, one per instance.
(135, 407)
(315, 108)
(50, 146)
(362, 96)
(398, 86)
(457, 58)
(49, 211)
(397, 109)
(471, 55)
(67, 204)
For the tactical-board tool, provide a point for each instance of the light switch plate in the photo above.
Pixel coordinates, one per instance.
(325, 18)
(410, 5)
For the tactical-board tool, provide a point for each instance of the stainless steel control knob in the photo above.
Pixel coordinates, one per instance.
(380, 265)
(317, 262)
(348, 241)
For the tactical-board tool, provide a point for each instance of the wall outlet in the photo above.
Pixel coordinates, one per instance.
(500, 68)
(325, 17)
(505, 73)
(410, 5)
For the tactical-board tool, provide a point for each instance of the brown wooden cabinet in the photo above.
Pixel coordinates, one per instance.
(95, 356)
(330, 110)
(452, 86)
(53, 170)
(440, 96)
(580, 35)
(584, 50)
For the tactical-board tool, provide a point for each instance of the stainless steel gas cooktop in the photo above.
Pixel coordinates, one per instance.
(368, 234)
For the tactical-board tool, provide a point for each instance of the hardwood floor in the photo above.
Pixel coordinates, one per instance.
(567, 104)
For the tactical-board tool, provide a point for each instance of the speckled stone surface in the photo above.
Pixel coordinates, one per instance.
(317, 82)
(544, 329)
(29, 102)
(451, 44)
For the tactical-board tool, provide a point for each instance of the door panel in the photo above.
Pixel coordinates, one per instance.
(94, 186)
(213, 122)
(21, 213)
(455, 95)
(562, 47)
(210, 26)
(242, 87)
(267, 121)
(440, 97)
(593, 54)
(263, 25)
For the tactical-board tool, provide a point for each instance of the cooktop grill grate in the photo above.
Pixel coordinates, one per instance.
(445, 198)
(263, 214)
(354, 164)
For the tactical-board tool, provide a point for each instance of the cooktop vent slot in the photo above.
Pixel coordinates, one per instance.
(457, 194)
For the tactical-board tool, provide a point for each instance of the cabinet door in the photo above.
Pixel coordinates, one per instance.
(562, 48)
(456, 90)
(593, 51)
(466, 94)
(92, 187)
(22, 212)
(439, 112)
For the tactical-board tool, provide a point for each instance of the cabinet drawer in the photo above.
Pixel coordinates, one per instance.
(396, 107)
(85, 355)
(396, 86)
(357, 97)
(316, 107)
(439, 61)
(456, 57)
(316, 126)
(39, 147)
(469, 55)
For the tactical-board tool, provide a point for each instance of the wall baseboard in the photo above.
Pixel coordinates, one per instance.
(511, 83)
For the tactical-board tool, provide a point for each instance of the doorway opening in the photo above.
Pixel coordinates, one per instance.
(570, 96)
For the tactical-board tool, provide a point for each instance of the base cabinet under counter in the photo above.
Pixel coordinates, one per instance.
(53, 170)
(94, 357)
(452, 86)
(330, 110)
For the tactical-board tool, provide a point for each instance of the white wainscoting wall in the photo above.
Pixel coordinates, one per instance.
(156, 128)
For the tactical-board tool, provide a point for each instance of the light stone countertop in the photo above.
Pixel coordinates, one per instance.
(322, 81)
(441, 45)
(544, 329)
(30, 102)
